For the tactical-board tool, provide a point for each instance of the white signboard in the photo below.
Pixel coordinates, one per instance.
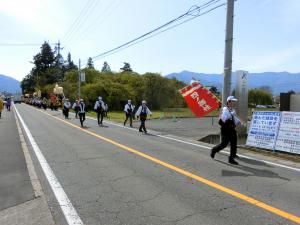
(264, 129)
(288, 138)
(82, 76)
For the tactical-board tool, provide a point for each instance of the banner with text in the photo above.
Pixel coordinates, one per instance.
(264, 129)
(288, 138)
(200, 100)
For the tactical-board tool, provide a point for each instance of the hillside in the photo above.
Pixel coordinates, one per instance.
(9, 84)
(278, 81)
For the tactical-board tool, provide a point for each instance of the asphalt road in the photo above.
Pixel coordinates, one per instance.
(15, 185)
(114, 175)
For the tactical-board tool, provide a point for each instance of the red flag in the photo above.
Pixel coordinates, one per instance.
(200, 100)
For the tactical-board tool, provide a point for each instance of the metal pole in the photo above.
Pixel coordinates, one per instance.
(228, 51)
(79, 80)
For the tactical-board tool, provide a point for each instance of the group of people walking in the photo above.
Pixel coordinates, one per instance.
(142, 113)
(228, 120)
(101, 108)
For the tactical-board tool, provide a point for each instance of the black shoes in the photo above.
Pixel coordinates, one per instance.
(212, 154)
(233, 162)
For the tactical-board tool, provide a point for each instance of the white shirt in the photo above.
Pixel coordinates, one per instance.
(127, 106)
(74, 105)
(99, 104)
(81, 107)
(138, 112)
(67, 105)
(227, 114)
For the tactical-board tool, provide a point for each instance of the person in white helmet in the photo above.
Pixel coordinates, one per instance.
(100, 109)
(81, 112)
(67, 106)
(143, 112)
(128, 109)
(228, 122)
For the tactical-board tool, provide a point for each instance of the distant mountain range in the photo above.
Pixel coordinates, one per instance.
(277, 81)
(9, 84)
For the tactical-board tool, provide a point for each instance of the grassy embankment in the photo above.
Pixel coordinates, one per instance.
(169, 114)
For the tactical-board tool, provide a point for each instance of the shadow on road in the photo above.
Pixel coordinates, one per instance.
(250, 172)
(254, 162)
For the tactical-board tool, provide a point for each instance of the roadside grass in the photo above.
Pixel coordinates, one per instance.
(170, 113)
(119, 116)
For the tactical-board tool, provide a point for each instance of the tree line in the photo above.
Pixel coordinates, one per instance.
(115, 87)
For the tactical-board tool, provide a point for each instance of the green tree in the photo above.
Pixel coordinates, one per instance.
(214, 90)
(28, 84)
(105, 67)
(126, 68)
(70, 64)
(42, 61)
(259, 97)
(90, 63)
(45, 59)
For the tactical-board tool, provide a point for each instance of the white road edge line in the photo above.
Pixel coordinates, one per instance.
(37, 188)
(64, 202)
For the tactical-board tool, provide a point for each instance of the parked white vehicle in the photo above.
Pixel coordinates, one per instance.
(17, 98)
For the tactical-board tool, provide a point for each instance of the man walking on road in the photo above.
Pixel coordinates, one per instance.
(67, 106)
(228, 121)
(8, 104)
(142, 112)
(128, 109)
(76, 108)
(100, 109)
(1, 106)
(81, 112)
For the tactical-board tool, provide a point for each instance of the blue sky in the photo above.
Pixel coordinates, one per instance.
(266, 34)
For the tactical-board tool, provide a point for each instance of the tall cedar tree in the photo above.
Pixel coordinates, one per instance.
(105, 67)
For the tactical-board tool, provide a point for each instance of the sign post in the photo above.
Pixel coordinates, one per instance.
(242, 96)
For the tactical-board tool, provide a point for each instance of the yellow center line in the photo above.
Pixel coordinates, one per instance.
(212, 184)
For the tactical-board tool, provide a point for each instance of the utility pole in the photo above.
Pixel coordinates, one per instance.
(79, 80)
(228, 51)
(58, 48)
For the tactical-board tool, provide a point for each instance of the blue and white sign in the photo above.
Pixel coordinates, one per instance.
(288, 138)
(264, 129)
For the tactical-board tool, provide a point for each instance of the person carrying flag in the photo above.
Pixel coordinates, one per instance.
(228, 122)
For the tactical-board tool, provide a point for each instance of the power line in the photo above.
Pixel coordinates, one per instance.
(111, 53)
(74, 27)
(153, 33)
(104, 15)
(22, 44)
(78, 18)
(84, 19)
